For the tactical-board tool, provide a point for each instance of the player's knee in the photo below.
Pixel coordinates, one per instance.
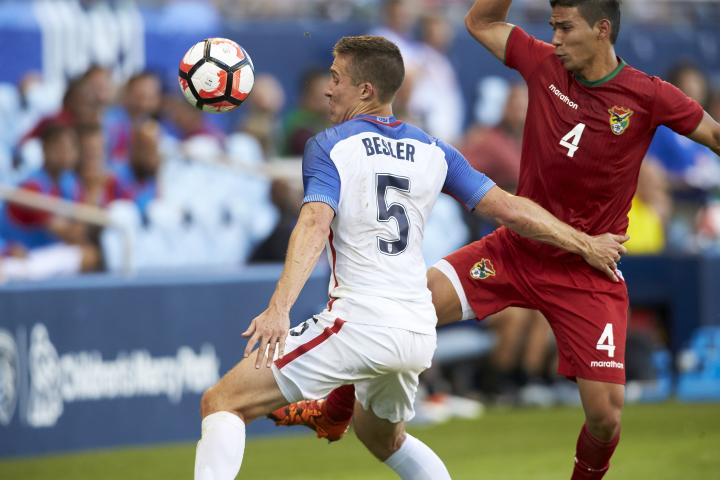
(381, 444)
(211, 401)
(604, 424)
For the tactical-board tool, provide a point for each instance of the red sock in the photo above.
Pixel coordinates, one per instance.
(339, 404)
(592, 456)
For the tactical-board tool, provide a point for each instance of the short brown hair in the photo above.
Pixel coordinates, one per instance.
(375, 60)
(595, 10)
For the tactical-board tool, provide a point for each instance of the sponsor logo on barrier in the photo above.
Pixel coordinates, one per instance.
(57, 379)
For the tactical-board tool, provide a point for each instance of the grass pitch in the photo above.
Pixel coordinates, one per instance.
(660, 442)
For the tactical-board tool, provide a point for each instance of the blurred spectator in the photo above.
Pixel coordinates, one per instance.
(691, 80)
(80, 106)
(649, 11)
(34, 228)
(496, 150)
(397, 23)
(262, 120)
(100, 82)
(688, 163)
(336, 10)
(311, 116)
(693, 170)
(141, 99)
(287, 197)
(650, 211)
(436, 100)
(98, 186)
(521, 357)
(138, 178)
(43, 244)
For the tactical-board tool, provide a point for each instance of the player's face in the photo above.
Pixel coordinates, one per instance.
(92, 156)
(61, 152)
(574, 39)
(343, 95)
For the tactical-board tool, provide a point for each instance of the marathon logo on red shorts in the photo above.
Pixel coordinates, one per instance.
(607, 364)
(482, 270)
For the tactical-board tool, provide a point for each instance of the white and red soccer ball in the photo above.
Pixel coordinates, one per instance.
(216, 75)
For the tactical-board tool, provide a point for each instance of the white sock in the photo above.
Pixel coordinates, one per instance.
(220, 450)
(416, 461)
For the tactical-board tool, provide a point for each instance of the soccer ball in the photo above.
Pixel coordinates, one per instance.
(216, 75)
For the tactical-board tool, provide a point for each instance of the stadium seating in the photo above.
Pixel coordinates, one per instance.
(208, 215)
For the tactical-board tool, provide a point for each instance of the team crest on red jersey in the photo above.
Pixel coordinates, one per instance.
(619, 119)
(482, 270)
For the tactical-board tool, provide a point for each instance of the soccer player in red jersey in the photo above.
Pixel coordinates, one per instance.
(590, 120)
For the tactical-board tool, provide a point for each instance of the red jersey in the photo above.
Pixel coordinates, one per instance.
(584, 142)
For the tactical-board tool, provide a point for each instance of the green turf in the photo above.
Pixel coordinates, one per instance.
(669, 441)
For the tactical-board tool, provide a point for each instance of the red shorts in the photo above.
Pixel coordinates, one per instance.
(586, 310)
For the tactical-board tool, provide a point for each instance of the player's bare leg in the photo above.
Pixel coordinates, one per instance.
(600, 435)
(243, 394)
(410, 458)
(448, 308)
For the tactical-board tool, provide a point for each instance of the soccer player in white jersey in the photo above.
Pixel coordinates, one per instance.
(370, 184)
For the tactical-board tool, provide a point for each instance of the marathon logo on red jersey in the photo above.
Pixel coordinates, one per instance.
(482, 270)
(563, 98)
(619, 119)
(607, 364)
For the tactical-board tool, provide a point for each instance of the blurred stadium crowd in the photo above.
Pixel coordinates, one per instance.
(661, 11)
(154, 183)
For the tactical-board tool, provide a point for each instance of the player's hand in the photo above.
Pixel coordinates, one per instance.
(269, 330)
(604, 251)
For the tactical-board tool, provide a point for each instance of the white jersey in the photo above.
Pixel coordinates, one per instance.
(382, 178)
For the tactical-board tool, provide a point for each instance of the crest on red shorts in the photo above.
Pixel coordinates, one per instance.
(482, 270)
(619, 119)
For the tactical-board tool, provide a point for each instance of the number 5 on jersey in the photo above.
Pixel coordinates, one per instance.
(385, 181)
(571, 140)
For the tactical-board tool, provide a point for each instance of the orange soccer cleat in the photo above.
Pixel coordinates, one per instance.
(310, 413)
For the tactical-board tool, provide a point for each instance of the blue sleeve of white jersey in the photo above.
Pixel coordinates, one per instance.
(321, 179)
(463, 182)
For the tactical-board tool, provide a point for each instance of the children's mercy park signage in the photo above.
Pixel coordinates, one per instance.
(37, 381)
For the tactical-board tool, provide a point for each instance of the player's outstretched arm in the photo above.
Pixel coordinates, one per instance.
(307, 241)
(485, 21)
(708, 133)
(531, 220)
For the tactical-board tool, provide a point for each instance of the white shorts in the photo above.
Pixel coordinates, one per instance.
(382, 362)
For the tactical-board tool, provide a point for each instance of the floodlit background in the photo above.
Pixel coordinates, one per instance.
(124, 287)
